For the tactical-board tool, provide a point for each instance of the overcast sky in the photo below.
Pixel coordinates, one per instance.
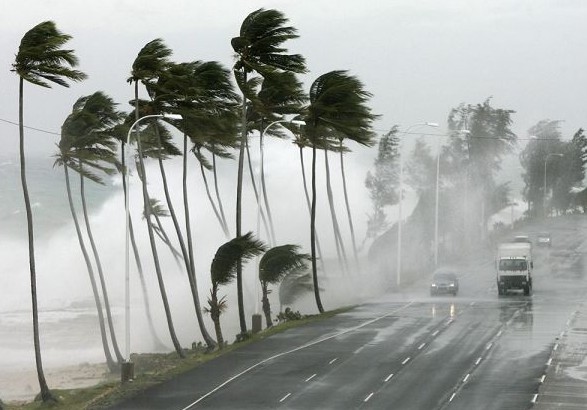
(419, 58)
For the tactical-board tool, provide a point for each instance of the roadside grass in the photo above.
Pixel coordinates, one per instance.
(152, 369)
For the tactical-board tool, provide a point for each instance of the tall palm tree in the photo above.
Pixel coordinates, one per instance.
(275, 265)
(151, 61)
(259, 48)
(87, 144)
(340, 249)
(336, 106)
(40, 61)
(300, 141)
(223, 272)
(203, 94)
(366, 139)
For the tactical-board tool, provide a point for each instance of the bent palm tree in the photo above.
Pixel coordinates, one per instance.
(151, 61)
(337, 106)
(223, 272)
(86, 142)
(259, 48)
(276, 264)
(40, 61)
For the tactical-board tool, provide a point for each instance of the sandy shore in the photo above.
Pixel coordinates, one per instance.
(22, 385)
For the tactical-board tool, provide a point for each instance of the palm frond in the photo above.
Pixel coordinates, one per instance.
(241, 248)
(279, 261)
(41, 60)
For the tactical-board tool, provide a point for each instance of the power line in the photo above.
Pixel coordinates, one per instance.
(30, 128)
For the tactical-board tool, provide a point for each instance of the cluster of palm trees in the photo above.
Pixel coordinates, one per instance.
(215, 121)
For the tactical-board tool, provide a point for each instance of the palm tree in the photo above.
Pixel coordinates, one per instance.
(340, 249)
(259, 48)
(223, 272)
(337, 106)
(86, 142)
(151, 61)
(40, 61)
(203, 94)
(300, 141)
(277, 263)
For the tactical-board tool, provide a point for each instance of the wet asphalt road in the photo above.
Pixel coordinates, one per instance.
(406, 350)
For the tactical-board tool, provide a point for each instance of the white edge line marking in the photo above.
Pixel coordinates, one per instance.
(452, 397)
(435, 333)
(310, 378)
(534, 398)
(466, 378)
(214, 390)
(368, 397)
(421, 346)
(284, 397)
(388, 377)
(405, 361)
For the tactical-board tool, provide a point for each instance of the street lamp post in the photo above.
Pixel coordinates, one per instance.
(544, 192)
(401, 188)
(127, 368)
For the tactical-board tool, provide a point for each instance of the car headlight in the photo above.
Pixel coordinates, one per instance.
(434, 285)
(452, 285)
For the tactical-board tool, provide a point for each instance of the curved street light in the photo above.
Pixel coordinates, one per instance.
(127, 246)
(401, 188)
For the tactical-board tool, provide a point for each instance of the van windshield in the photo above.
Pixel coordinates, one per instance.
(513, 264)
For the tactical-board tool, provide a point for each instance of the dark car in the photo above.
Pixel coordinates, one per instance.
(544, 239)
(444, 283)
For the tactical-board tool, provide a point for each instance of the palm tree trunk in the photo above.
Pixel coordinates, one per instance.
(216, 212)
(162, 234)
(215, 315)
(220, 207)
(261, 213)
(266, 305)
(147, 206)
(157, 341)
(264, 190)
(100, 272)
(348, 209)
(342, 258)
(112, 366)
(186, 258)
(313, 233)
(239, 190)
(45, 393)
(310, 210)
(188, 232)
